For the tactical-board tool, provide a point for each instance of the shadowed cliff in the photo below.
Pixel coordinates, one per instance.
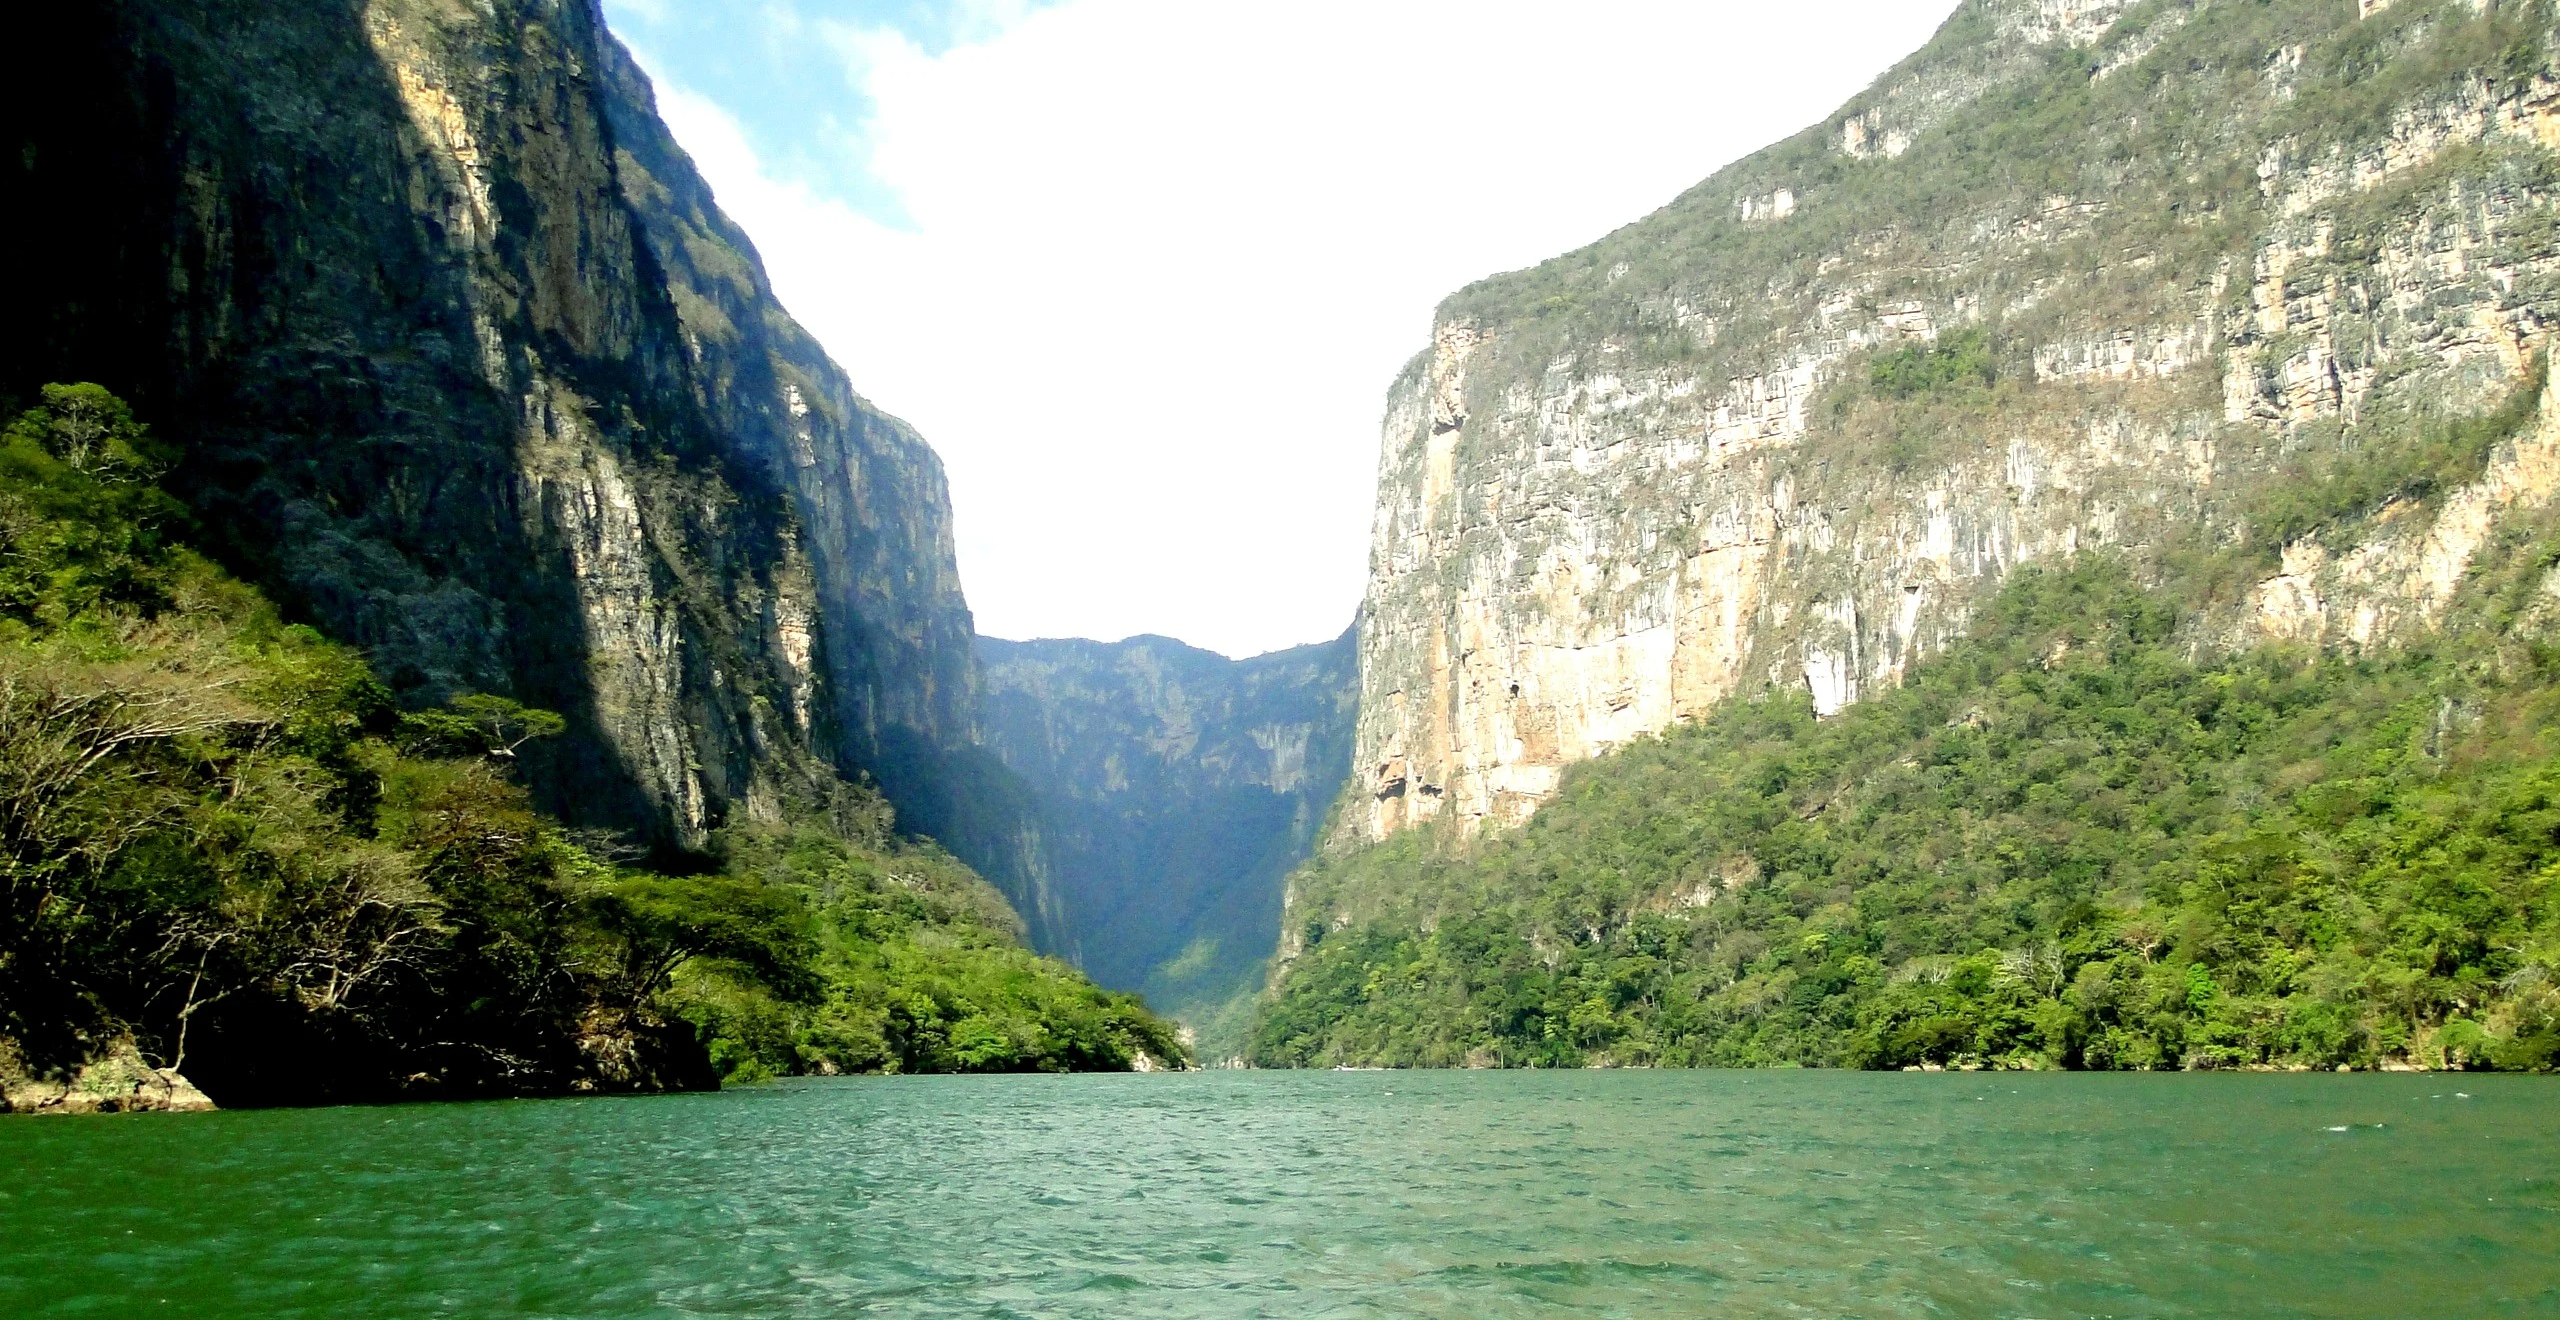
(469, 370)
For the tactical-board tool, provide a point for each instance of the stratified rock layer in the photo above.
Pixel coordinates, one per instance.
(2194, 245)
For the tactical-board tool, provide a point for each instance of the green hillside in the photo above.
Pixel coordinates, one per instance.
(221, 843)
(2068, 842)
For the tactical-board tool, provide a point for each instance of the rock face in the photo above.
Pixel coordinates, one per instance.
(1175, 790)
(117, 1081)
(471, 372)
(2075, 276)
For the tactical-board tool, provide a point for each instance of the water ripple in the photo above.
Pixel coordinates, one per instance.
(1483, 1196)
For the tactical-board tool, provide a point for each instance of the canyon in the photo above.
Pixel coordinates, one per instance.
(1175, 788)
(466, 368)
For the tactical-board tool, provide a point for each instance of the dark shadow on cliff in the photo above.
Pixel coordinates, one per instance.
(217, 209)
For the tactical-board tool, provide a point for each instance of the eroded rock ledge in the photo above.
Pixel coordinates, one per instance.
(117, 1081)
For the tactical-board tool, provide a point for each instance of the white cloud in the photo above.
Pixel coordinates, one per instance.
(1167, 256)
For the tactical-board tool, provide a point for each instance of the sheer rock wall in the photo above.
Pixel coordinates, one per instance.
(2200, 241)
(470, 371)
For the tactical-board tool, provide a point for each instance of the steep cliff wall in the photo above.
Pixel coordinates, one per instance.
(875, 517)
(1176, 788)
(471, 372)
(2081, 273)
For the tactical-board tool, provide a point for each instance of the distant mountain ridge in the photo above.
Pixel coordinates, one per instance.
(1175, 788)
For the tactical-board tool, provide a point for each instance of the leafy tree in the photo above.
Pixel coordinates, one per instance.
(477, 723)
(753, 928)
(92, 432)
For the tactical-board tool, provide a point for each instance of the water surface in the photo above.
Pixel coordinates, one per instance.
(1480, 1195)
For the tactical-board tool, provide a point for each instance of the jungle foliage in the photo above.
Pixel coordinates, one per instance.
(2064, 843)
(222, 841)
(913, 964)
(1960, 362)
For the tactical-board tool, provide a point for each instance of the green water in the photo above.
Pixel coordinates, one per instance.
(1318, 1195)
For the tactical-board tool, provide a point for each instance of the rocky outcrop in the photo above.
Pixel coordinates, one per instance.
(470, 371)
(1175, 790)
(2076, 276)
(116, 1081)
(873, 512)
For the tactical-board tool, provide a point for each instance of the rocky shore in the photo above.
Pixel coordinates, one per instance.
(117, 1081)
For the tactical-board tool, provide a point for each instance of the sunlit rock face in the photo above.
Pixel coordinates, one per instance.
(472, 372)
(2189, 247)
(1175, 790)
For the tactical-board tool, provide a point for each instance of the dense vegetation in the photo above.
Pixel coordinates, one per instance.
(222, 843)
(2066, 842)
(1957, 362)
(913, 964)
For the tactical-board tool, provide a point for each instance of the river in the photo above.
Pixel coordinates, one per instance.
(1479, 1195)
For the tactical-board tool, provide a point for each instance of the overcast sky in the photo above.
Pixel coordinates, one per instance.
(1142, 270)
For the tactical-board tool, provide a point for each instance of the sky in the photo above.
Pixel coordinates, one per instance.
(1142, 270)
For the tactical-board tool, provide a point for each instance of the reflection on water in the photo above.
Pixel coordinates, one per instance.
(1317, 1195)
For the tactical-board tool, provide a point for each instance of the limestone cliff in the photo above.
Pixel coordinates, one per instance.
(1176, 788)
(471, 372)
(2081, 273)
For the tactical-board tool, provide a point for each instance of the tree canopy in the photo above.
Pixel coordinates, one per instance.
(2066, 842)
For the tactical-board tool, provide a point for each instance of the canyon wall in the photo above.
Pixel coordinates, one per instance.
(469, 370)
(2080, 275)
(1175, 790)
